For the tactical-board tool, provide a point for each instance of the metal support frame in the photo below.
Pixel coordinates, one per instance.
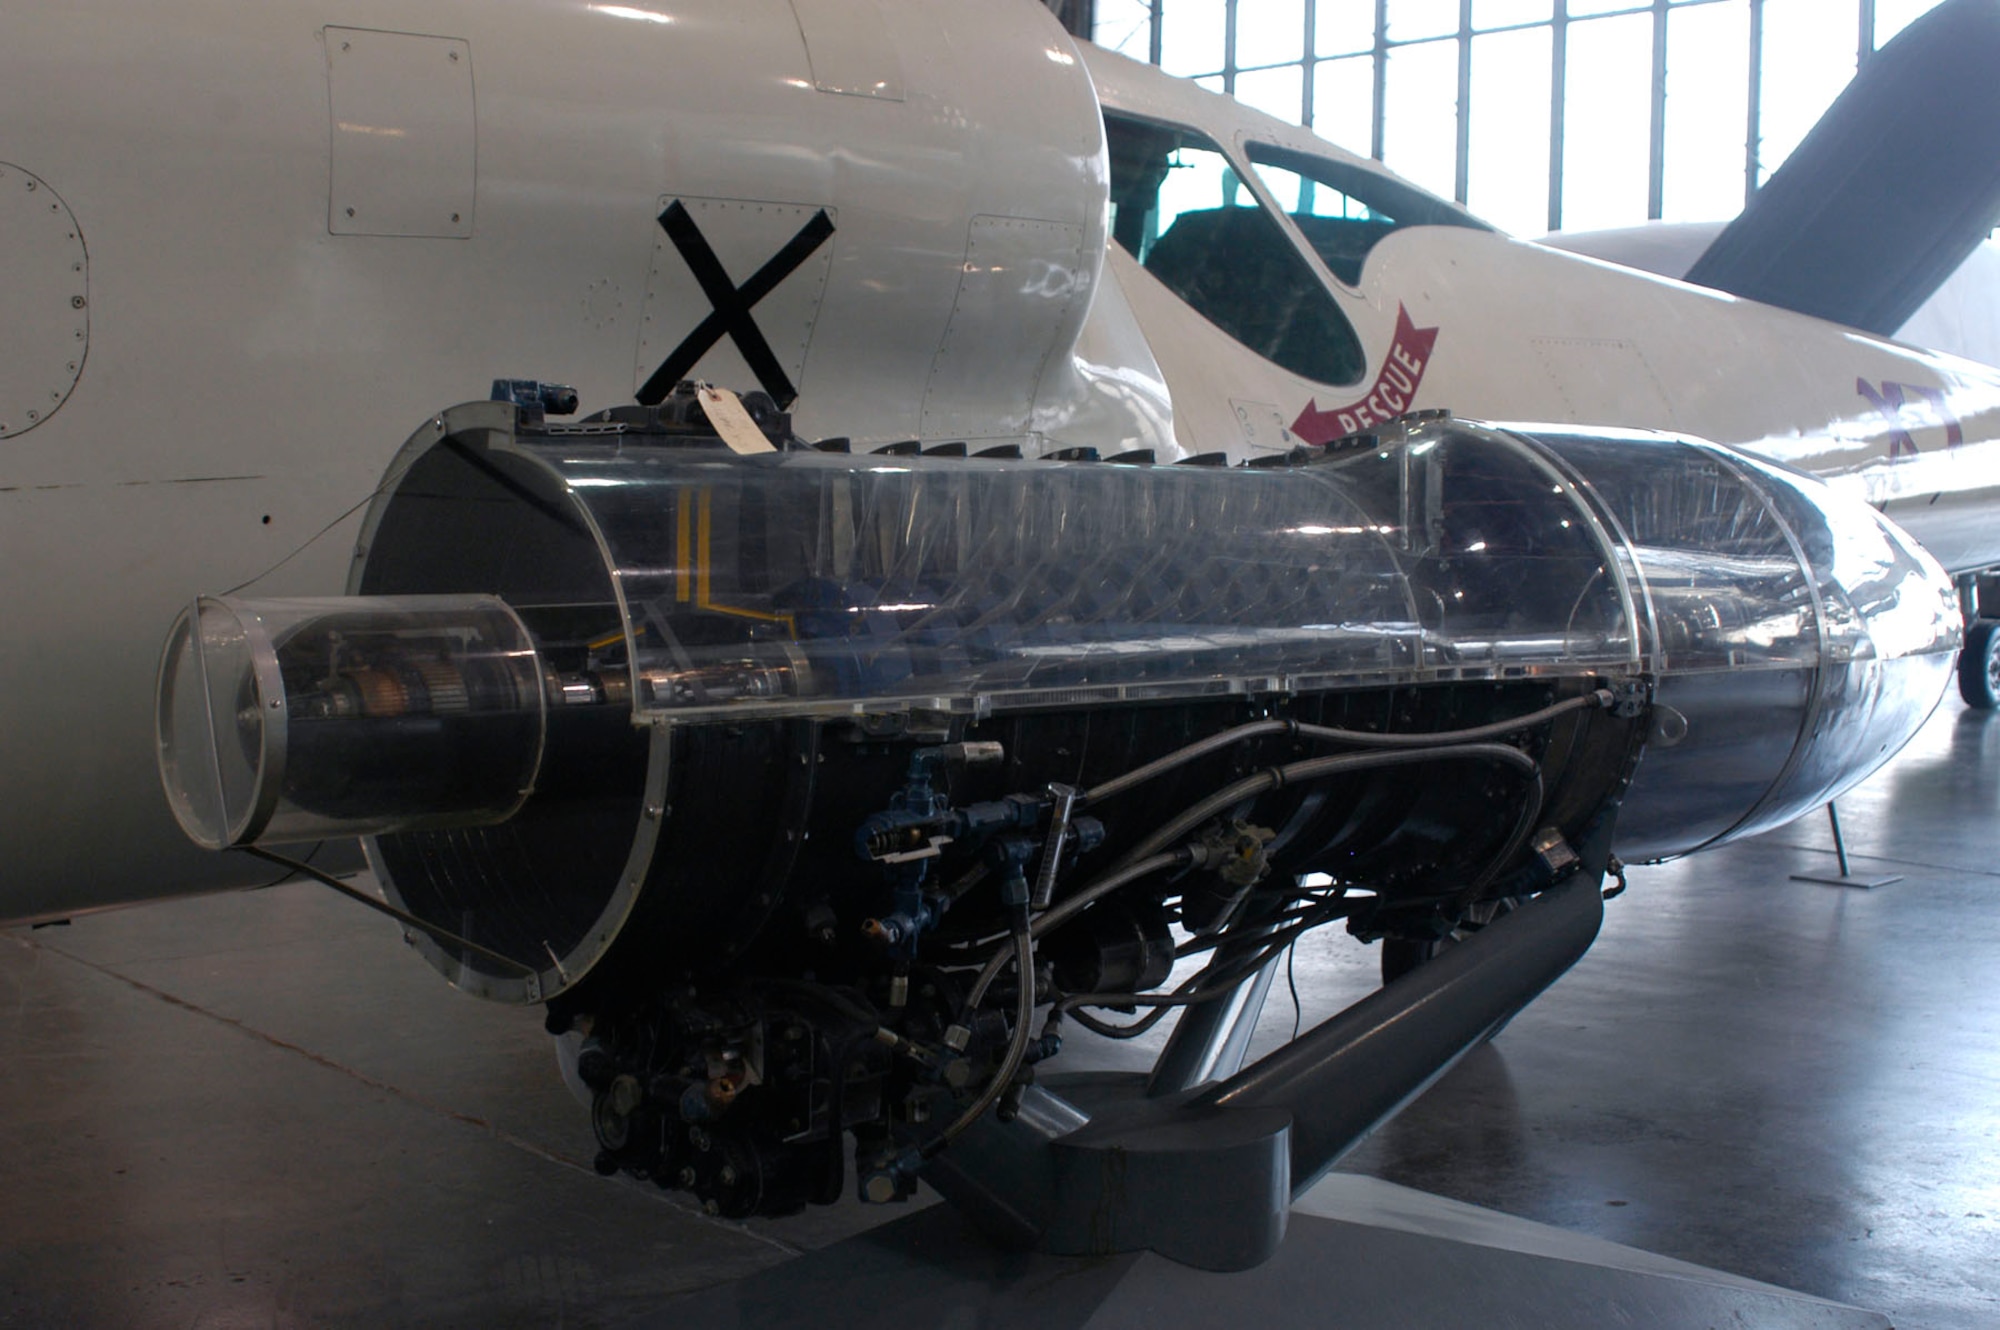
(1094, 1164)
(1753, 130)
(1210, 1041)
(1462, 172)
(1656, 119)
(1558, 90)
(1846, 878)
(1381, 77)
(1559, 23)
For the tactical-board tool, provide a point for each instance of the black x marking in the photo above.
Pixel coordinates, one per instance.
(732, 305)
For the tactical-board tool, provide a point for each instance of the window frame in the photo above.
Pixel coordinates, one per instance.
(1336, 292)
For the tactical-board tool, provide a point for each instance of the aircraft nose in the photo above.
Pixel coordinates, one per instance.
(1798, 638)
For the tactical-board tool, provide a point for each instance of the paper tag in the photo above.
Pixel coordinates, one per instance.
(725, 412)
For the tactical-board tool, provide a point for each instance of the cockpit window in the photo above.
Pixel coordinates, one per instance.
(1344, 210)
(1178, 206)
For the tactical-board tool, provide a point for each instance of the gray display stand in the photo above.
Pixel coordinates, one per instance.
(1358, 1252)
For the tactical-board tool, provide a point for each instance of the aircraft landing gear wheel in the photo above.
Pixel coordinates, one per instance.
(1979, 665)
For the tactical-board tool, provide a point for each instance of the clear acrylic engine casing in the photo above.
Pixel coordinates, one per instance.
(1797, 638)
(302, 719)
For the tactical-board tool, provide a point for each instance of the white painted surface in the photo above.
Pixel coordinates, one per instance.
(44, 301)
(405, 142)
(251, 372)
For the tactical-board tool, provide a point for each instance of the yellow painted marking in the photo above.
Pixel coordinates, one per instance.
(683, 554)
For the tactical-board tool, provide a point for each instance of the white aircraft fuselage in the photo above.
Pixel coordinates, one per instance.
(246, 250)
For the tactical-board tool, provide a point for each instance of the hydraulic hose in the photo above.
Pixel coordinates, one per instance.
(1017, 1048)
(1316, 768)
(1051, 919)
(1180, 757)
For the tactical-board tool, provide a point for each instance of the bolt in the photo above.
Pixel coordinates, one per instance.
(686, 1177)
(710, 1208)
(879, 1190)
(726, 1176)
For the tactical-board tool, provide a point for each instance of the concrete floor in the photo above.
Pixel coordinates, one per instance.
(257, 1111)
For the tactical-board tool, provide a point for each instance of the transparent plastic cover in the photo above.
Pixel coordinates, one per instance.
(295, 720)
(808, 583)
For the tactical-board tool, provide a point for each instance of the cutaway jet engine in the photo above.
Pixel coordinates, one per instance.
(797, 782)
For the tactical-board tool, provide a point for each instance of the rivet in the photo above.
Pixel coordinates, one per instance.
(350, 212)
(33, 416)
(76, 302)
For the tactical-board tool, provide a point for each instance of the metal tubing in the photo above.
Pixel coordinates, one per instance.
(1355, 1070)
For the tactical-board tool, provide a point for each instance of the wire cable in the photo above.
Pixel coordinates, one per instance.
(403, 917)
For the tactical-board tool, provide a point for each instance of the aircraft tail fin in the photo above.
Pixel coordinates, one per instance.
(1895, 186)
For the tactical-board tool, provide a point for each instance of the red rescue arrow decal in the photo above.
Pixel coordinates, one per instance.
(1395, 388)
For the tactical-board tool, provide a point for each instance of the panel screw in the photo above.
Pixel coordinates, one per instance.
(350, 212)
(33, 416)
(454, 217)
(454, 57)
(76, 302)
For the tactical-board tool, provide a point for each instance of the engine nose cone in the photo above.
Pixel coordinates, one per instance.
(1798, 637)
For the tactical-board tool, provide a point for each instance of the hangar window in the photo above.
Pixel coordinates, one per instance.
(1345, 210)
(1179, 207)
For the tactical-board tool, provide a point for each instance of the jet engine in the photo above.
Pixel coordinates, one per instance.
(797, 782)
